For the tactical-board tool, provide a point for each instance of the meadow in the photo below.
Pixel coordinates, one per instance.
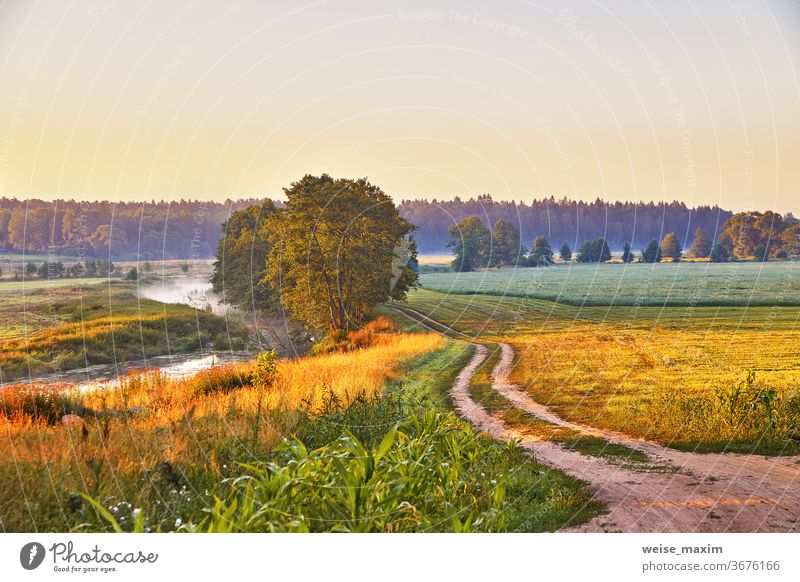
(661, 284)
(361, 440)
(698, 378)
(72, 323)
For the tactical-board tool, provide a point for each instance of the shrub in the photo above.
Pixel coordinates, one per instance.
(220, 379)
(265, 369)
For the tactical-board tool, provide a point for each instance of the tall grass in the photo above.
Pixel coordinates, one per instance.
(355, 441)
(152, 435)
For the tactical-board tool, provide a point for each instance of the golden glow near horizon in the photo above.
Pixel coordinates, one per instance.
(697, 101)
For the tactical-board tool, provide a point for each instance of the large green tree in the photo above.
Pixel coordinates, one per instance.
(471, 244)
(334, 251)
(241, 259)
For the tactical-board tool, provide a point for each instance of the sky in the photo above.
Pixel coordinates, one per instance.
(652, 100)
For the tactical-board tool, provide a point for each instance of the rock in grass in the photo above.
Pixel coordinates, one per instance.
(69, 419)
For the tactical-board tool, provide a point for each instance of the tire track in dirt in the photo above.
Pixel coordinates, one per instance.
(711, 493)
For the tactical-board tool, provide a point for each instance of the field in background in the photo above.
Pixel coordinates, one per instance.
(675, 375)
(672, 284)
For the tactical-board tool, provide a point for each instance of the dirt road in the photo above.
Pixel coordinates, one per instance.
(697, 493)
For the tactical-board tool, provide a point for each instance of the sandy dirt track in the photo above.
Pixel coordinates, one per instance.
(697, 492)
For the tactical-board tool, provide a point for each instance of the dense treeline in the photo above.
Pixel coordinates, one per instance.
(745, 235)
(119, 230)
(564, 220)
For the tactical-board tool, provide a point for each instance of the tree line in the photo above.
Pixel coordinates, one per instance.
(745, 235)
(564, 220)
(116, 230)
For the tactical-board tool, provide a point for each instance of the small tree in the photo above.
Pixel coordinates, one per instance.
(585, 252)
(541, 254)
(701, 245)
(671, 247)
(132, 275)
(91, 268)
(652, 253)
(31, 269)
(147, 267)
(185, 268)
(506, 247)
(565, 253)
(627, 255)
(600, 250)
(761, 252)
(470, 241)
(720, 254)
(265, 369)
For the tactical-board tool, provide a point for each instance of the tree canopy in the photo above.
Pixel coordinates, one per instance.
(506, 248)
(594, 251)
(336, 250)
(241, 259)
(652, 252)
(627, 254)
(565, 253)
(701, 245)
(541, 254)
(719, 254)
(671, 247)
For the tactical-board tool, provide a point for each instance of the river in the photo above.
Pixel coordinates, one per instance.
(193, 291)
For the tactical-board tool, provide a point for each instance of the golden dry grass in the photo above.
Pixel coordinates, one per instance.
(662, 384)
(138, 435)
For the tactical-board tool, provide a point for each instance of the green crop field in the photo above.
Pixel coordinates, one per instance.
(18, 287)
(660, 284)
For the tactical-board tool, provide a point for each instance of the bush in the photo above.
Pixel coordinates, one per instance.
(374, 332)
(265, 369)
(220, 379)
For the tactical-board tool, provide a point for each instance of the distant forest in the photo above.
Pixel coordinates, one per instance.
(564, 220)
(191, 229)
(117, 230)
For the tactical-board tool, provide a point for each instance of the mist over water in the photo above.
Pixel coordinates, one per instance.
(192, 291)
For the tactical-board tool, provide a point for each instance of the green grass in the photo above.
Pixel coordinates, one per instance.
(495, 315)
(17, 287)
(535, 497)
(402, 462)
(661, 284)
